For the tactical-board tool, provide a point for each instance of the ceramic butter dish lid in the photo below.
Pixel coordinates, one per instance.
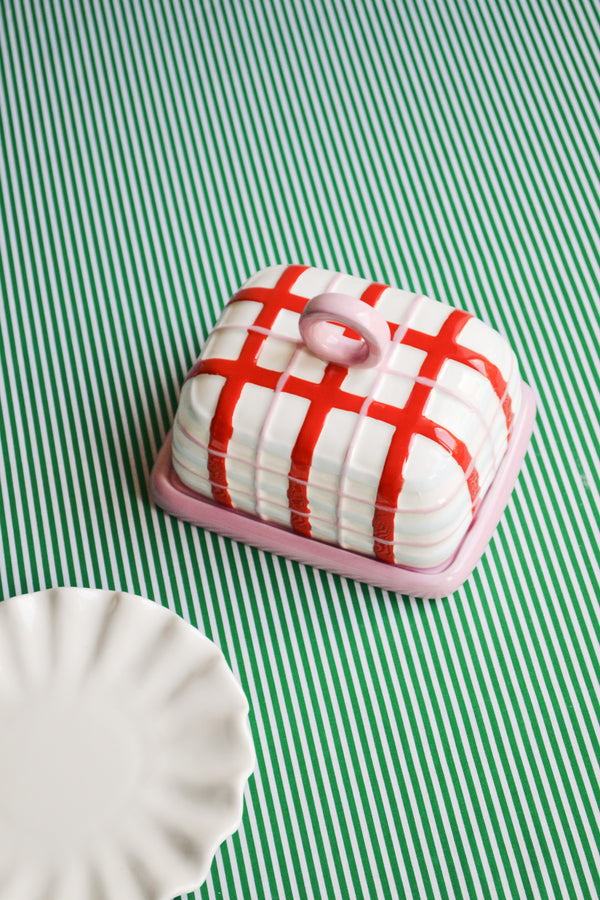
(369, 430)
(125, 749)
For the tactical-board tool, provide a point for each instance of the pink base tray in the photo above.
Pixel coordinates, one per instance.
(175, 498)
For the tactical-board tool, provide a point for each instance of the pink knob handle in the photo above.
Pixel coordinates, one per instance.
(326, 342)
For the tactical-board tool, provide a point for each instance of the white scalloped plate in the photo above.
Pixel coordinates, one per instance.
(124, 749)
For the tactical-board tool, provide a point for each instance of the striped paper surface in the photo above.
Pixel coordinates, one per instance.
(152, 156)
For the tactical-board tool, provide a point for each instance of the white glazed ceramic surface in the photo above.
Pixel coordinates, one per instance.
(124, 753)
(435, 506)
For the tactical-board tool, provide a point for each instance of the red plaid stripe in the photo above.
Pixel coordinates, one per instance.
(407, 421)
(312, 426)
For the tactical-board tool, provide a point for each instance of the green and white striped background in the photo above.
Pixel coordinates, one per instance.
(153, 154)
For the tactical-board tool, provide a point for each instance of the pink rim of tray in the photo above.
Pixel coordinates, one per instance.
(176, 499)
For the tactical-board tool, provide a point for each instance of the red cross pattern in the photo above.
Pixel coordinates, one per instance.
(407, 421)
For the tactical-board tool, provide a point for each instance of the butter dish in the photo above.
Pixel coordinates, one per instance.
(365, 429)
